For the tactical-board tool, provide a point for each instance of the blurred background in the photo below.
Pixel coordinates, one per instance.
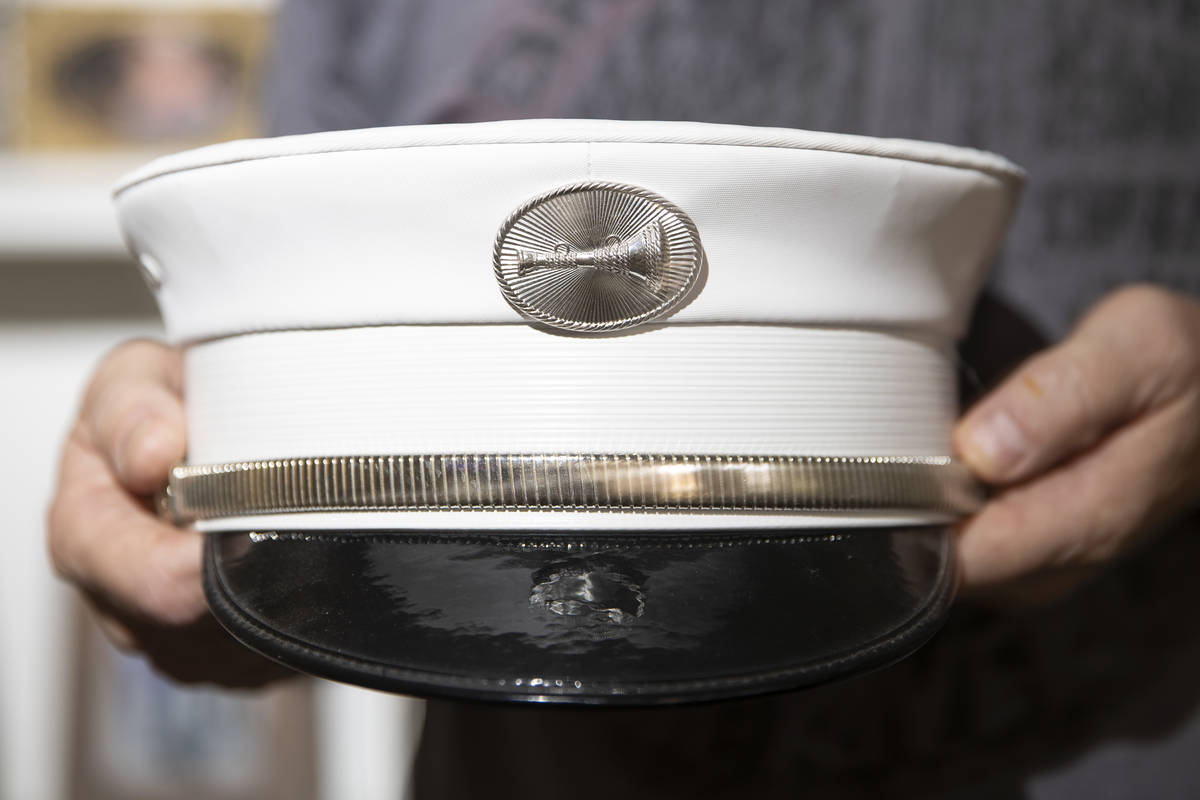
(1097, 100)
(88, 90)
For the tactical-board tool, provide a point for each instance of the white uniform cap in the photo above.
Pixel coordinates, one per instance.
(678, 327)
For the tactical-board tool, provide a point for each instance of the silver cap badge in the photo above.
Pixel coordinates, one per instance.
(595, 257)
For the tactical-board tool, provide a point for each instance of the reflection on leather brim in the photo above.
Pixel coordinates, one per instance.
(588, 618)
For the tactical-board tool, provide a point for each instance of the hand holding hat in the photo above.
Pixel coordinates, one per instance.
(749, 489)
(140, 575)
(1093, 443)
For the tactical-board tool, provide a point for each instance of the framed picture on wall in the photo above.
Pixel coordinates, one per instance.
(160, 75)
(137, 736)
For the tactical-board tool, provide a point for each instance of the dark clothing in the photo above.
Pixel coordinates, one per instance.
(1100, 101)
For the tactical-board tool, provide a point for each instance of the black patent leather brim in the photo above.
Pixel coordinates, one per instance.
(587, 618)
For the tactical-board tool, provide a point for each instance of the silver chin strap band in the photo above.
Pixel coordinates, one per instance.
(573, 482)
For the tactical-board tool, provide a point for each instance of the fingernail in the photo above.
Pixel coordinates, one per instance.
(997, 443)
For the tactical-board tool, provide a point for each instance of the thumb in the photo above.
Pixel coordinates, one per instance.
(1133, 353)
(132, 414)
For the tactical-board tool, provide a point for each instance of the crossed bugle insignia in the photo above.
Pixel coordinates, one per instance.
(595, 257)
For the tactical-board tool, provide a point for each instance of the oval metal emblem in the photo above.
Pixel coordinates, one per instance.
(595, 257)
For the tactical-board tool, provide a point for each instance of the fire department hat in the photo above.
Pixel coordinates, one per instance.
(572, 411)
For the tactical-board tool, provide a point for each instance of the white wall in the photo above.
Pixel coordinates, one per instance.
(40, 369)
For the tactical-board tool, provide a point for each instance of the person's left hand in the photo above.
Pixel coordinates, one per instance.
(1091, 445)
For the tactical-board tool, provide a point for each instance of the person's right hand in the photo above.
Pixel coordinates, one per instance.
(141, 575)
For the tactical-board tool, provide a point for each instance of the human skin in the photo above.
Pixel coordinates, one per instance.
(1089, 447)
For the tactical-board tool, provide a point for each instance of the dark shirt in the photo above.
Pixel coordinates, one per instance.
(1100, 101)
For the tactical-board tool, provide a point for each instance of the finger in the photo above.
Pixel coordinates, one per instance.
(1029, 591)
(133, 413)
(103, 539)
(198, 652)
(1086, 512)
(1137, 351)
(203, 652)
(119, 634)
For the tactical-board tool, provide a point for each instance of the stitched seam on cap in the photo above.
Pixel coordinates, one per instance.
(1002, 170)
